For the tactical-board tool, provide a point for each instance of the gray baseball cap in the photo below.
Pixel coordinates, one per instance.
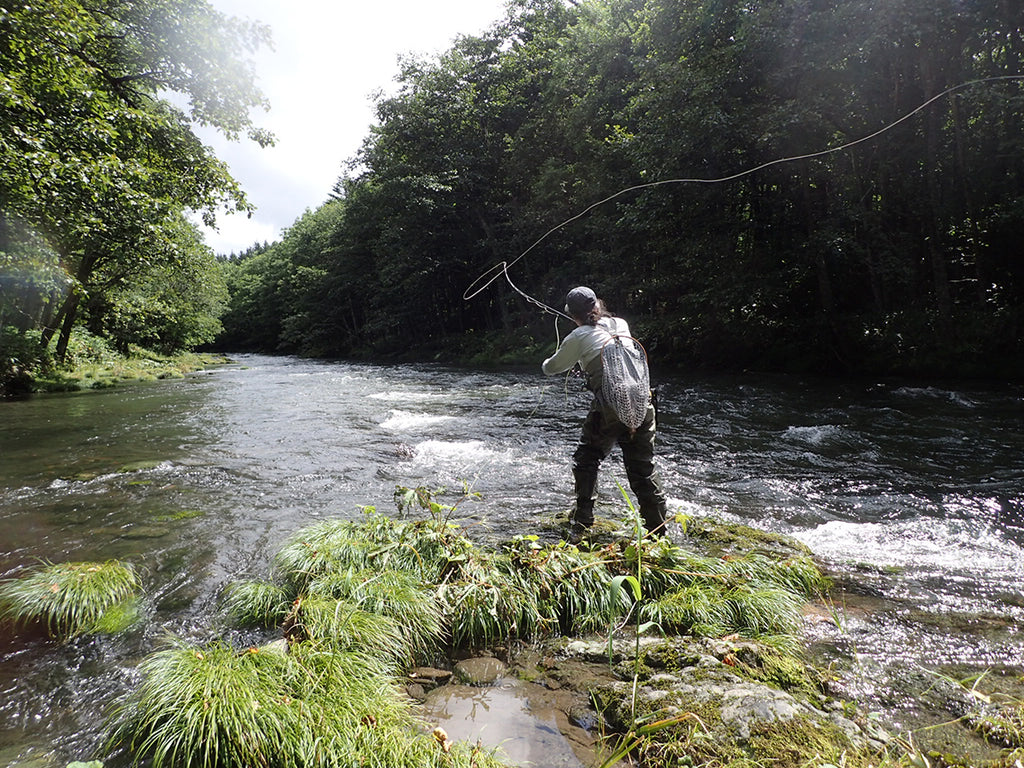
(579, 301)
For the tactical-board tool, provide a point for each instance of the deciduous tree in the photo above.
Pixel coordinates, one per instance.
(94, 153)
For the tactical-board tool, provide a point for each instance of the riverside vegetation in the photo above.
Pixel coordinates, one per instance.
(90, 363)
(687, 651)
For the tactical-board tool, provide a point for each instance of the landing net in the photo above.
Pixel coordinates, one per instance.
(626, 382)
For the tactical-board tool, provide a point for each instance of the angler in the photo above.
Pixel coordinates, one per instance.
(621, 412)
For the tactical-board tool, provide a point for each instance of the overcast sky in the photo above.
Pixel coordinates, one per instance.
(329, 58)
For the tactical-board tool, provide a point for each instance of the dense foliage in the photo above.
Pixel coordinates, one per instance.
(893, 254)
(100, 167)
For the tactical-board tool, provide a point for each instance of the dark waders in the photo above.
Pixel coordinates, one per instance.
(601, 431)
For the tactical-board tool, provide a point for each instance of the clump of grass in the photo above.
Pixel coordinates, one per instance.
(483, 604)
(313, 706)
(342, 625)
(430, 578)
(427, 548)
(320, 549)
(72, 599)
(396, 595)
(257, 603)
(691, 609)
(571, 585)
(118, 617)
(717, 604)
(667, 566)
(207, 706)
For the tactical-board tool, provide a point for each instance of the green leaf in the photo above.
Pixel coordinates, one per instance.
(616, 586)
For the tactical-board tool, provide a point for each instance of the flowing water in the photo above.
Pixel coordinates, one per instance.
(912, 495)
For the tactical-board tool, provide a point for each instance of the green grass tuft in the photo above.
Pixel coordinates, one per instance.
(342, 625)
(257, 603)
(71, 599)
(214, 706)
(397, 595)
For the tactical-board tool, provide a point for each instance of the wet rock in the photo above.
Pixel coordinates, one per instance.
(416, 692)
(430, 673)
(483, 670)
(583, 717)
(589, 650)
(622, 648)
(663, 680)
(144, 531)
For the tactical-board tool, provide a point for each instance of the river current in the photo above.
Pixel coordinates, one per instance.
(911, 495)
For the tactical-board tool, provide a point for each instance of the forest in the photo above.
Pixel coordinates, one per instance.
(103, 176)
(772, 185)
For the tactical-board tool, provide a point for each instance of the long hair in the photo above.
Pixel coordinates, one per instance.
(595, 314)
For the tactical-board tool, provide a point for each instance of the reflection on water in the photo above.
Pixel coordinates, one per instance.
(511, 716)
(913, 493)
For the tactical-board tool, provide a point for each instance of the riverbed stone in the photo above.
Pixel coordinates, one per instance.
(749, 703)
(144, 531)
(482, 670)
(416, 692)
(432, 674)
(597, 650)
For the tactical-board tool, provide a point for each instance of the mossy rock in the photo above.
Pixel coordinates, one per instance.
(795, 743)
(173, 517)
(778, 669)
(723, 538)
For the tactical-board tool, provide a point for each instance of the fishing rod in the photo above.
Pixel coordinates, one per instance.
(502, 267)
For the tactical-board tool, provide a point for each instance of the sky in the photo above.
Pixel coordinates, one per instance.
(329, 59)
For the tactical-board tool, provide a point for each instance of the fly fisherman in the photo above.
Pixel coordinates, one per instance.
(602, 429)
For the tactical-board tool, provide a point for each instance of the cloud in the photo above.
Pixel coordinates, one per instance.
(329, 59)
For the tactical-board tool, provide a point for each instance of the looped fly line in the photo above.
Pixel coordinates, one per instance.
(503, 267)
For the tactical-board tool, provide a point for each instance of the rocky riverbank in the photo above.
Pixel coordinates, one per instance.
(669, 701)
(681, 700)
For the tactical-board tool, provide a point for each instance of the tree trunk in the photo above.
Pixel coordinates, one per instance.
(65, 331)
(65, 318)
(57, 320)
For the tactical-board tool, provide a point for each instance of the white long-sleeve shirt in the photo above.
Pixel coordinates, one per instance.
(584, 345)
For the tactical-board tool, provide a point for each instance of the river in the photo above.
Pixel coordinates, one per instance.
(912, 494)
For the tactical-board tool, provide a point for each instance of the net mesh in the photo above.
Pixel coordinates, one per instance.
(625, 380)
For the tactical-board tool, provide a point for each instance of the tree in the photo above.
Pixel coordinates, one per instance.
(93, 154)
(174, 304)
